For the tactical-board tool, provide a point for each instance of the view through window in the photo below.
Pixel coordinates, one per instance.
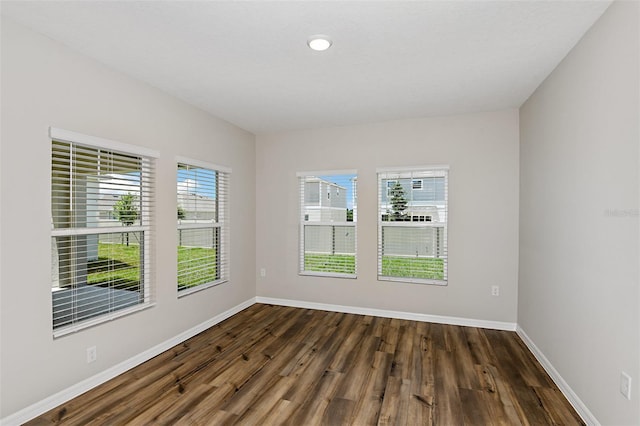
(412, 225)
(202, 217)
(328, 216)
(101, 218)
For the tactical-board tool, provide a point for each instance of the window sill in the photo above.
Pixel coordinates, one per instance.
(70, 329)
(414, 280)
(191, 290)
(327, 274)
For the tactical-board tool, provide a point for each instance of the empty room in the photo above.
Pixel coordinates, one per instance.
(320, 212)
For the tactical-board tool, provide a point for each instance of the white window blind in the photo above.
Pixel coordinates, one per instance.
(102, 206)
(202, 214)
(328, 215)
(413, 225)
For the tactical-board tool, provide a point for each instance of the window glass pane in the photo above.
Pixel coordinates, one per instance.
(201, 215)
(96, 270)
(328, 230)
(412, 232)
(413, 252)
(198, 261)
(197, 194)
(92, 187)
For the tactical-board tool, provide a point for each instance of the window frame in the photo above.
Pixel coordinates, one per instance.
(395, 174)
(146, 226)
(221, 223)
(303, 222)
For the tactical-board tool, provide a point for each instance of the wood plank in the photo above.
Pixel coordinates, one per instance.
(532, 408)
(476, 411)
(280, 365)
(390, 402)
(279, 414)
(402, 357)
(338, 412)
(360, 369)
(367, 409)
(421, 403)
(500, 413)
(479, 347)
(306, 388)
(264, 402)
(556, 407)
(388, 338)
(313, 408)
(349, 346)
(261, 380)
(509, 403)
(448, 409)
(463, 359)
(205, 410)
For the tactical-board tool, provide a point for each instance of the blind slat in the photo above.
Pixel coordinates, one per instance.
(328, 215)
(202, 225)
(102, 205)
(413, 225)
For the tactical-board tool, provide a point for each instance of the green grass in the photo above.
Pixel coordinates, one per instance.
(337, 263)
(392, 266)
(196, 266)
(118, 265)
(413, 267)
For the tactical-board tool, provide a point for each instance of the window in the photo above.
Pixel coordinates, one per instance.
(327, 227)
(101, 210)
(413, 225)
(416, 184)
(202, 194)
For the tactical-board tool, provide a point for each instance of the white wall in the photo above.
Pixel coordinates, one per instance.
(578, 285)
(45, 84)
(482, 151)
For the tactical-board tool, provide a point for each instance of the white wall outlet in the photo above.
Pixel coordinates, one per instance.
(495, 290)
(263, 272)
(92, 354)
(625, 385)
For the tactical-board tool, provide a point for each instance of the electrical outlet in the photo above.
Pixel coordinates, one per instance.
(495, 290)
(263, 272)
(625, 385)
(92, 354)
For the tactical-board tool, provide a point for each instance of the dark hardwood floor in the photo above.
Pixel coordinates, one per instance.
(271, 365)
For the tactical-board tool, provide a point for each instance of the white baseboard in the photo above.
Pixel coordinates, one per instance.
(467, 322)
(60, 398)
(564, 387)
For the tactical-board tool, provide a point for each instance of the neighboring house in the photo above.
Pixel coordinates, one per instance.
(354, 197)
(426, 202)
(196, 206)
(425, 199)
(197, 209)
(106, 204)
(324, 201)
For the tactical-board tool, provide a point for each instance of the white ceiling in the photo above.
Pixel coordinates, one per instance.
(248, 62)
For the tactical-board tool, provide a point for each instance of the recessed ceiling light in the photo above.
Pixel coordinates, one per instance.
(319, 42)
